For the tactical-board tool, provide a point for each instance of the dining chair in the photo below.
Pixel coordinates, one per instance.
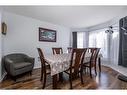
(57, 50)
(98, 56)
(45, 67)
(90, 50)
(76, 65)
(92, 62)
(69, 49)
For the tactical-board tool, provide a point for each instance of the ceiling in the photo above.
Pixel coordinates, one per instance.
(69, 16)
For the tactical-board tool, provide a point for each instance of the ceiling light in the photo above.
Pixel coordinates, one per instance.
(110, 30)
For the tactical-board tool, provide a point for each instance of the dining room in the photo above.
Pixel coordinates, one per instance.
(63, 47)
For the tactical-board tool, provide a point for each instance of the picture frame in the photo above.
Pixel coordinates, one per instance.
(47, 35)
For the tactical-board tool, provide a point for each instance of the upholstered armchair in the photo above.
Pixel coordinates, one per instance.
(18, 63)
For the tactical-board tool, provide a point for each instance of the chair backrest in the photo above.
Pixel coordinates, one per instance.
(77, 58)
(41, 55)
(16, 57)
(91, 50)
(94, 55)
(58, 50)
(69, 49)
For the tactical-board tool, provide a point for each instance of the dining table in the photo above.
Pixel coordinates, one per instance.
(61, 62)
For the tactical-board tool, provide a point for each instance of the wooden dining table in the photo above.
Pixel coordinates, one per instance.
(61, 62)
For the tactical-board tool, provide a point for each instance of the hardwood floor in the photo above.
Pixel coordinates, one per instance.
(107, 79)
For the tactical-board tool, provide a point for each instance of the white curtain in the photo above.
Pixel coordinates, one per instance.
(109, 44)
(114, 47)
(85, 39)
(82, 39)
(99, 39)
(79, 39)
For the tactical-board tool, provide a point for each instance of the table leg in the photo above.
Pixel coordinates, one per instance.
(61, 76)
(54, 81)
(99, 63)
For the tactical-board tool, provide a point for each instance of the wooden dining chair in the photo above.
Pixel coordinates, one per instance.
(69, 49)
(45, 67)
(76, 65)
(92, 62)
(57, 50)
(90, 50)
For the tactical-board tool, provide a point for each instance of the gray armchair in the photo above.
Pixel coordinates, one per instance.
(18, 63)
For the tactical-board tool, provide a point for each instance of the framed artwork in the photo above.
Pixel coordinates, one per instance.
(47, 35)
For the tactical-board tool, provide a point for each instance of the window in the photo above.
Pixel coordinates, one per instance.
(109, 43)
(99, 39)
(79, 39)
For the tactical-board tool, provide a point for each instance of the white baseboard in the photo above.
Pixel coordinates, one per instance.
(3, 76)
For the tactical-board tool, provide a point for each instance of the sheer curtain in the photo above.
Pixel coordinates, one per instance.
(79, 39)
(82, 39)
(99, 39)
(114, 47)
(109, 44)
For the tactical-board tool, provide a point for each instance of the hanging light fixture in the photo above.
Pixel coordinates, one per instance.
(110, 30)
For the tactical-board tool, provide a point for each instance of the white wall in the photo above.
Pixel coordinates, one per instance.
(22, 36)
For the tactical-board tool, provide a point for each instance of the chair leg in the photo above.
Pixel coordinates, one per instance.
(95, 70)
(44, 81)
(41, 74)
(99, 64)
(61, 76)
(90, 72)
(81, 73)
(70, 79)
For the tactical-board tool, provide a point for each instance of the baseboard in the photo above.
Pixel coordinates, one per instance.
(3, 76)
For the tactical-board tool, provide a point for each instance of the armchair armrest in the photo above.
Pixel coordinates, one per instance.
(8, 64)
(8, 61)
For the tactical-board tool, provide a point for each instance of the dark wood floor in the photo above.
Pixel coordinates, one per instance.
(107, 79)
